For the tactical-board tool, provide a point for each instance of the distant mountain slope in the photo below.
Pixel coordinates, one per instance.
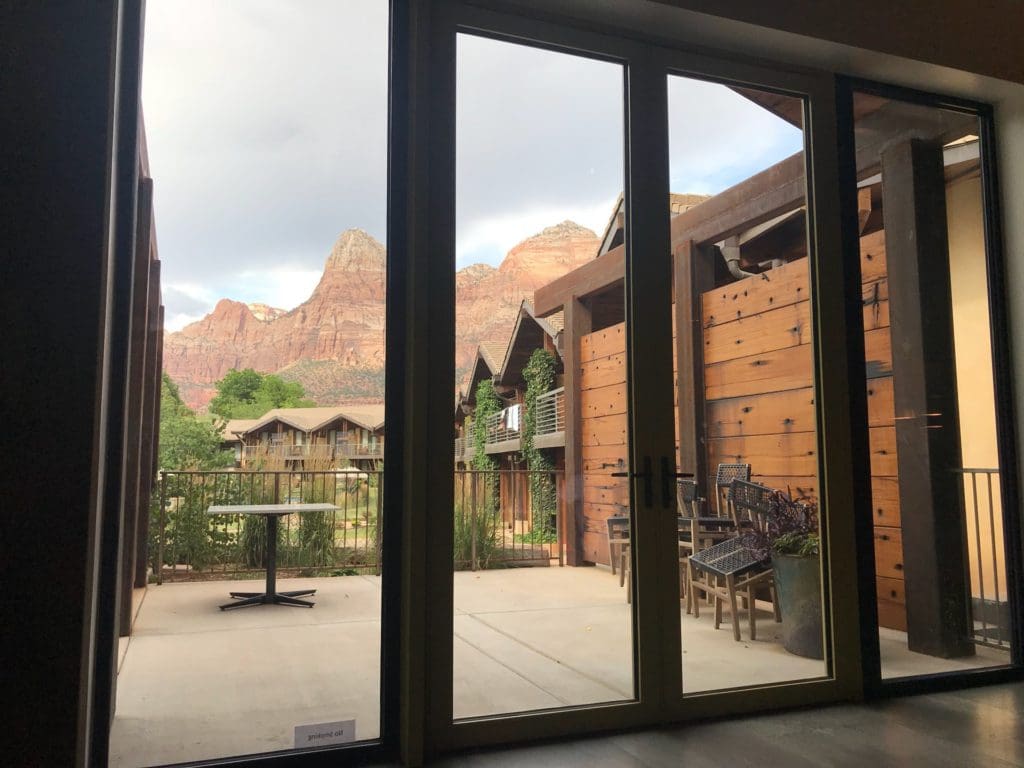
(333, 343)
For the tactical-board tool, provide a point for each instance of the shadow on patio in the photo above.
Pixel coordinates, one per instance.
(198, 683)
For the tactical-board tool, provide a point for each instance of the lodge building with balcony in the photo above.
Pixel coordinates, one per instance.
(340, 435)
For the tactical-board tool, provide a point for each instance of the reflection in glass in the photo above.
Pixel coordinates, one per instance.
(266, 126)
(749, 554)
(540, 417)
(936, 508)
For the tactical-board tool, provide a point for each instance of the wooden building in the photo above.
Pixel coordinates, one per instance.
(341, 435)
(503, 365)
(743, 364)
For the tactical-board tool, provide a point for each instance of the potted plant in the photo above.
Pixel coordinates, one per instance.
(788, 537)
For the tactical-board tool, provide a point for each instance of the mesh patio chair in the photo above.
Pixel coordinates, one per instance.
(723, 485)
(727, 569)
(749, 503)
(690, 505)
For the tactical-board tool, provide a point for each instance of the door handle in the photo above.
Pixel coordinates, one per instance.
(668, 478)
(648, 477)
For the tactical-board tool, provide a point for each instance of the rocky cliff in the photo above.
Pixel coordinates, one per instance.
(333, 343)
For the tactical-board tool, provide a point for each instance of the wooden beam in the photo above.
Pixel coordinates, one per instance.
(591, 278)
(694, 274)
(759, 198)
(924, 393)
(134, 399)
(863, 208)
(577, 324)
(899, 122)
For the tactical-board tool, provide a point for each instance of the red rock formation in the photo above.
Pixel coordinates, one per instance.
(334, 341)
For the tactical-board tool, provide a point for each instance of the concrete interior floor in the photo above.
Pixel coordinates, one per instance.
(197, 683)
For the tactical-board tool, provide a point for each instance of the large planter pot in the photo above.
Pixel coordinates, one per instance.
(798, 585)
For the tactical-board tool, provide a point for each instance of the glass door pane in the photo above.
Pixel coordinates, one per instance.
(746, 433)
(542, 559)
(935, 472)
(266, 126)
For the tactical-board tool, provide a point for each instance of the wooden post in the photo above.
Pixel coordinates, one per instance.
(924, 389)
(134, 400)
(577, 323)
(150, 423)
(694, 274)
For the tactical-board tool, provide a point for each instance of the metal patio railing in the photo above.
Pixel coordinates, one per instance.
(497, 524)
(187, 544)
(499, 429)
(989, 607)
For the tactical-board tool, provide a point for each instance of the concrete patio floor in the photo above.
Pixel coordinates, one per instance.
(197, 683)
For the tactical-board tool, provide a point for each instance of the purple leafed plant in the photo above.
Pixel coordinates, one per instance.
(788, 527)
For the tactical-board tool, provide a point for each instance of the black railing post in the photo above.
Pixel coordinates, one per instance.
(472, 527)
(379, 475)
(981, 568)
(559, 523)
(158, 566)
(995, 561)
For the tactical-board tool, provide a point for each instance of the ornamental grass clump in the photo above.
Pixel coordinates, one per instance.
(318, 485)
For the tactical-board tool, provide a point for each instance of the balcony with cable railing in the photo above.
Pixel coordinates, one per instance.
(504, 428)
(343, 449)
(551, 419)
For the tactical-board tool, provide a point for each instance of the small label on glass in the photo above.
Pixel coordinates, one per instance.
(323, 734)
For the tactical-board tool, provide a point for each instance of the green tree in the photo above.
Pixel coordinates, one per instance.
(248, 394)
(187, 442)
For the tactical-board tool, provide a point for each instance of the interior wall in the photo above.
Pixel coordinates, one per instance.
(975, 389)
(56, 170)
(949, 37)
(57, 81)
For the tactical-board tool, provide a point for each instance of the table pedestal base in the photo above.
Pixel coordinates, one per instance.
(265, 598)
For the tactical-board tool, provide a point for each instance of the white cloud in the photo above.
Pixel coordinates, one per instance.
(488, 239)
(283, 287)
(179, 320)
(267, 137)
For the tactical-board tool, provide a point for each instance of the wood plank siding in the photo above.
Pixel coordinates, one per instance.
(759, 405)
(759, 395)
(602, 436)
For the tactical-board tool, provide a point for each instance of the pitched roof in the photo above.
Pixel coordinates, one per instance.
(236, 427)
(367, 416)
(493, 352)
(516, 358)
(678, 202)
(310, 419)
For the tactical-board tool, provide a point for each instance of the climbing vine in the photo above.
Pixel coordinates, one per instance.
(487, 404)
(539, 375)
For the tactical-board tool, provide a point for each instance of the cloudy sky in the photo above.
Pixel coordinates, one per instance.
(266, 124)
